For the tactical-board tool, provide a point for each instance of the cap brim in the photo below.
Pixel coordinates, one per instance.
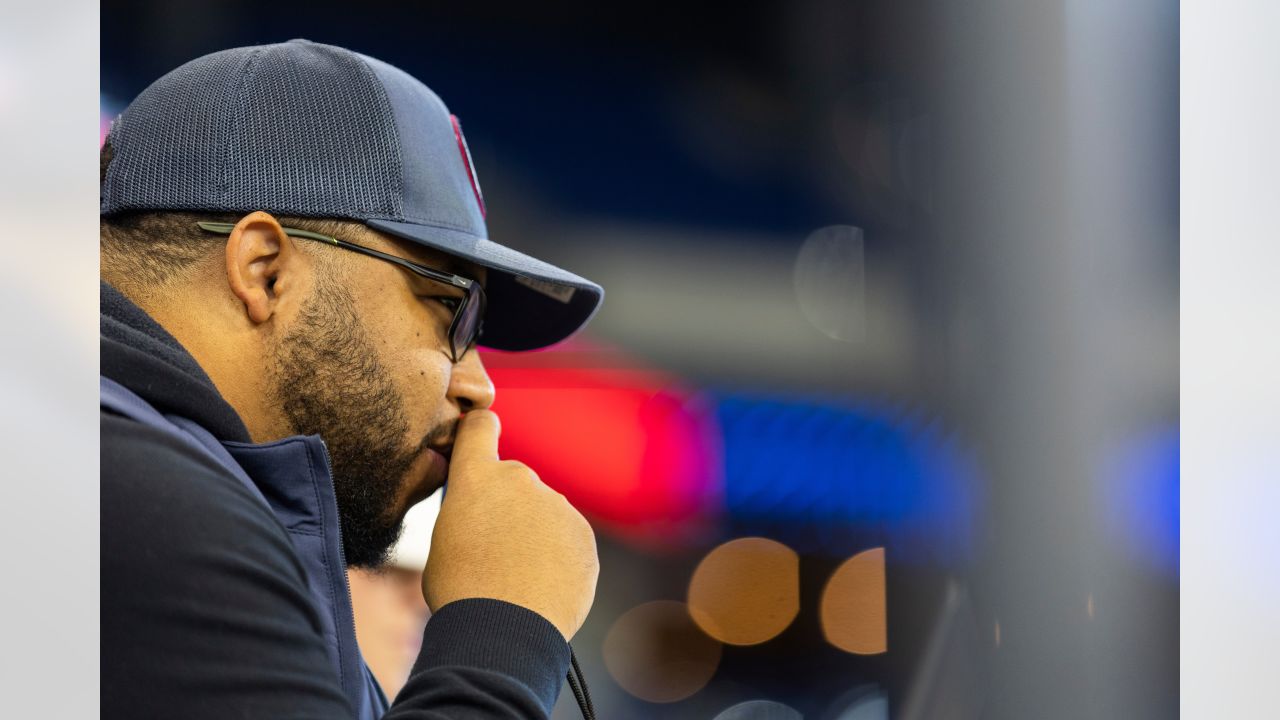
(532, 304)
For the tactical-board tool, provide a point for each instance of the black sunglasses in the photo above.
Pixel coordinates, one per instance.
(468, 315)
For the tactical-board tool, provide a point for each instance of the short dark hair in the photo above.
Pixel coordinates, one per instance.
(145, 250)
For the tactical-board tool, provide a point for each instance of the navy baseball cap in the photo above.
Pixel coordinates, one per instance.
(305, 129)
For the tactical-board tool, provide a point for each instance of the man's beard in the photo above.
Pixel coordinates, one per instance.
(329, 382)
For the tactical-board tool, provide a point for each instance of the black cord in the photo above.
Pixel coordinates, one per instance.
(573, 660)
(577, 695)
(578, 684)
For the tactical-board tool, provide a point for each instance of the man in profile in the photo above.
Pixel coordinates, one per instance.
(295, 274)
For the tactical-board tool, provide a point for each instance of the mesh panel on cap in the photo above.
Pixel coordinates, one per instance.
(297, 128)
(337, 149)
(162, 142)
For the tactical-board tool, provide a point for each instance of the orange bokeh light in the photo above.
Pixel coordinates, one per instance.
(746, 591)
(853, 608)
(656, 653)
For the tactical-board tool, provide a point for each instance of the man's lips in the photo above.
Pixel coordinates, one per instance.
(429, 474)
(445, 450)
(438, 465)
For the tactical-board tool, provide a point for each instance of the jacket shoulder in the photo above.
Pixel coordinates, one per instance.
(154, 484)
(144, 469)
(202, 593)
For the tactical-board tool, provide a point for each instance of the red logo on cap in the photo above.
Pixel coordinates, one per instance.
(466, 160)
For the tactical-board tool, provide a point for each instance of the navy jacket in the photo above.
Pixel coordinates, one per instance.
(224, 588)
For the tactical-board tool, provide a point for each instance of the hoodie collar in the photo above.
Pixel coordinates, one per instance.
(142, 356)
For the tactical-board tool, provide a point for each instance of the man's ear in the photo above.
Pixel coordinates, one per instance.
(261, 260)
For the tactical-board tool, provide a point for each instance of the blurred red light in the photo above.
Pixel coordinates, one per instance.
(629, 447)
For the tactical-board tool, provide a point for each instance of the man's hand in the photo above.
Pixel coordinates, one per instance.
(503, 534)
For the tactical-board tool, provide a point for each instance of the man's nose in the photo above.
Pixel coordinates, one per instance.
(469, 385)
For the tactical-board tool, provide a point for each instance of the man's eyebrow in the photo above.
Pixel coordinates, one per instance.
(453, 265)
(456, 266)
(435, 259)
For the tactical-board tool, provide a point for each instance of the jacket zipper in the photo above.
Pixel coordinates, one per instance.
(346, 581)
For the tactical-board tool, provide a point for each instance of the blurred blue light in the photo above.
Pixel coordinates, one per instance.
(1142, 494)
(828, 476)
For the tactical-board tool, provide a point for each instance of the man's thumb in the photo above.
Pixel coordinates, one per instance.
(477, 437)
